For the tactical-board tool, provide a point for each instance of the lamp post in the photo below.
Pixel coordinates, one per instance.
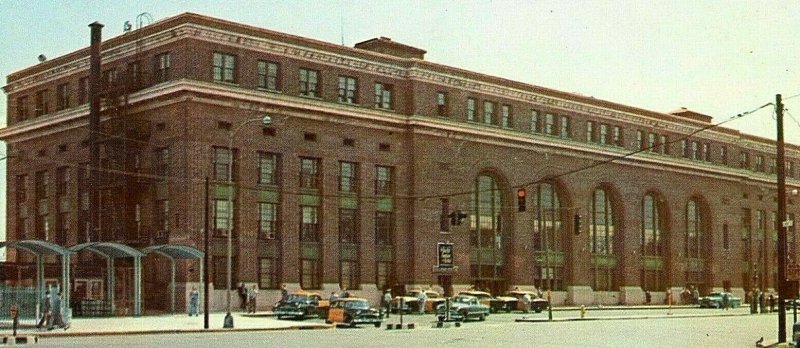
(266, 120)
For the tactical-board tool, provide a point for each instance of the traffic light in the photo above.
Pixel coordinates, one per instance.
(457, 217)
(453, 218)
(577, 224)
(521, 199)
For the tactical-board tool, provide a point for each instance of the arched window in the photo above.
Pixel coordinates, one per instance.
(547, 234)
(485, 219)
(694, 225)
(602, 227)
(651, 227)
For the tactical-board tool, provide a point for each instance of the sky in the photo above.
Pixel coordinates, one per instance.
(719, 58)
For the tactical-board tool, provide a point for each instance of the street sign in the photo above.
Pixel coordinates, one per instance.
(445, 254)
(788, 223)
(793, 271)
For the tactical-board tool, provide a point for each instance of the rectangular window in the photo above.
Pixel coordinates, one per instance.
(744, 160)
(685, 148)
(384, 228)
(349, 275)
(162, 67)
(224, 68)
(161, 163)
(22, 108)
(723, 155)
(109, 78)
(222, 218)
(564, 127)
(384, 275)
(549, 124)
(309, 173)
(488, 112)
(310, 274)
(590, 136)
(706, 153)
(42, 102)
(616, 136)
(651, 142)
(222, 162)
(134, 71)
(267, 220)
(773, 163)
(62, 96)
(268, 168)
(639, 140)
(383, 96)
(267, 273)
(62, 180)
(603, 137)
(348, 226)
(664, 145)
(384, 186)
(471, 109)
(348, 90)
(790, 169)
(309, 83)
(22, 189)
(506, 116)
(441, 104)
(268, 75)
(759, 165)
(348, 176)
(162, 216)
(83, 90)
(695, 149)
(309, 225)
(535, 121)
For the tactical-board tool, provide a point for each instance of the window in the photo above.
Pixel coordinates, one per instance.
(348, 226)
(603, 137)
(268, 75)
(42, 103)
(309, 228)
(222, 217)
(694, 226)
(22, 108)
(790, 169)
(83, 90)
(162, 67)
(309, 83)
(744, 160)
(224, 68)
(759, 165)
(549, 124)
(222, 162)
(471, 109)
(161, 163)
(564, 127)
(348, 90)
(651, 227)
(384, 275)
(651, 142)
(616, 136)
(547, 227)
(267, 273)
(268, 169)
(310, 274)
(134, 72)
(384, 228)
(773, 163)
(220, 274)
(723, 155)
(349, 275)
(535, 121)
(488, 112)
(685, 148)
(309, 173)
(664, 145)
(602, 226)
(267, 220)
(162, 215)
(62, 96)
(705, 154)
(506, 116)
(383, 96)
(441, 104)
(590, 136)
(639, 140)
(62, 180)
(695, 148)
(348, 177)
(384, 186)
(22, 189)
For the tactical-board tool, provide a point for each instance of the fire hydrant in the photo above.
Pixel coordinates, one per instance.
(583, 311)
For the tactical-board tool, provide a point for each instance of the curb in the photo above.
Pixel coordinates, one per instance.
(45, 335)
(668, 316)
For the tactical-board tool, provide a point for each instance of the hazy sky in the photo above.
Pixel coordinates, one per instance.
(719, 58)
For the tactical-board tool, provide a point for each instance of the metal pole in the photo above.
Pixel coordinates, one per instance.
(781, 164)
(228, 317)
(205, 262)
(94, 127)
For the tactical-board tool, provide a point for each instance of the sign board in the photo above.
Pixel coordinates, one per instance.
(788, 223)
(793, 271)
(445, 255)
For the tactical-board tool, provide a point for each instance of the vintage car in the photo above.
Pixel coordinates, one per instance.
(300, 305)
(512, 301)
(714, 300)
(463, 307)
(353, 311)
(433, 300)
(486, 299)
(406, 304)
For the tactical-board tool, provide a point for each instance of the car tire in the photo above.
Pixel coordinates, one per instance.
(538, 310)
(328, 321)
(377, 324)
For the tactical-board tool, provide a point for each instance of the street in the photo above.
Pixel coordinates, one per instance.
(639, 328)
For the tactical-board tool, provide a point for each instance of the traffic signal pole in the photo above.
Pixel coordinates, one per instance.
(781, 169)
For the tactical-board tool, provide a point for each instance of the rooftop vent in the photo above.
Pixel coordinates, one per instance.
(385, 45)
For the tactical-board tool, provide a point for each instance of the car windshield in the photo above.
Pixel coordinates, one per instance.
(298, 298)
(462, 299)
(356, 305)
(715, 294)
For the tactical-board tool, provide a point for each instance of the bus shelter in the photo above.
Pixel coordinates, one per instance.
(177, 252)
(112, 251)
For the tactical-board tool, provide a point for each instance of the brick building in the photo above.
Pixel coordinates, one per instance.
(370, 151)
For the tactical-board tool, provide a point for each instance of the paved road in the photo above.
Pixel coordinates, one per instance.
(499, 330)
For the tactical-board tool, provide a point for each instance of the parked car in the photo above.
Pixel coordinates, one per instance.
(300, 305)
(464, 307)
(434, 299)
(486, 299)
(512, 301)
(406, 304)
(714, 300)
(353, 311)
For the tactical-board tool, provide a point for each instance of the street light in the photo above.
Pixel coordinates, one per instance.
(266, 120)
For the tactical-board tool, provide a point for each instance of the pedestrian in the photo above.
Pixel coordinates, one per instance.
(194, 301)
(695, 295)
(387, 301)
(345, 293)
(762, 302)
(252, 294)
(46, 308)
(242, 297)
(725, 300)
(422, 297)
(333, 297)
(647, 297)
(526, 302)
(539, 292)
(771, 302)
(58, 320)
(284, 293)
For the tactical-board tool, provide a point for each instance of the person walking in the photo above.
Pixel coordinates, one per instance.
(526, 302)
(284, 293)
(46, 308)
(194, 301)
(58, 319)
(242, 297)
(333, 297)
(725, 300)
(252, 294)
(387, 302)
(422, 297)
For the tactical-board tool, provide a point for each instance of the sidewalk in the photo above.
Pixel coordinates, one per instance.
(178, 323)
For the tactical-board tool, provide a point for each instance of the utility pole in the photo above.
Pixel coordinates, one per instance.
(781, 164)
(205, 260)
(94, 130)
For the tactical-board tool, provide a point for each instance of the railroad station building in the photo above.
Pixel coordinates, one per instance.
(376, 158)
